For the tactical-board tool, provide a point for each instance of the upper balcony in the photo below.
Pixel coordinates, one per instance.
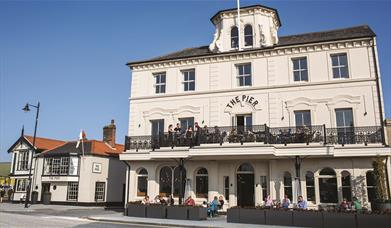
(306, 135)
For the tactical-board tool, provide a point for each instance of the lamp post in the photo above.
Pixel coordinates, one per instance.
(27, 109)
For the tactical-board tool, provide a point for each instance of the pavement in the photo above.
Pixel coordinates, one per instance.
(39, 215)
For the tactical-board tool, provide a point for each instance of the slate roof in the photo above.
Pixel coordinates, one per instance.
(306, 38)
(91, 147)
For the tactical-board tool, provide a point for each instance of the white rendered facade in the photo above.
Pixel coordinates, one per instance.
(274, 99)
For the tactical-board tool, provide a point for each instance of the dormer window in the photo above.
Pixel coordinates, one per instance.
(248, 35)
(234, 37)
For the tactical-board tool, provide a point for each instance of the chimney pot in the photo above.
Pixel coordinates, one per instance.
(109, 134)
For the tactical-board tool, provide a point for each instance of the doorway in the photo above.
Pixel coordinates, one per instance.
(45, 189)
(245, 185)
(244, 122)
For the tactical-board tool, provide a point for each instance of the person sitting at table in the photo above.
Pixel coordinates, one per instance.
(189, 201)
(268, 202)
(357, 204)
(221, 202)
(301, 203)
(344, 205)
(145, 200)
(285, 202)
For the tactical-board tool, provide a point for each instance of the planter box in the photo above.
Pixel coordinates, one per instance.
(46, 198)
(233, 215)
(279, 217)
(136, 210)
(156, 211)
(197, 213)
(177, 213)
(339, 220)
(252, 216)
(307, 219)
(370, 221)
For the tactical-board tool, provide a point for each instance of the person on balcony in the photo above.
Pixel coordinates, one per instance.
(197, 129)
(189, 136)
(286, 202)
(170, 136)
(178, 133)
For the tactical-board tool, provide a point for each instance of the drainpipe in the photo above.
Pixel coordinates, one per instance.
(127, 188)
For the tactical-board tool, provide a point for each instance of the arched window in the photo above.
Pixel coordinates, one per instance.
(248, 35)
(328, 186)
(177, 181)
(371, 186)
(165, 181)
(245, 168)
(202, 183)
(346, 186)
(234, 37)
(288, 184)
(310, 185)
(142, 182)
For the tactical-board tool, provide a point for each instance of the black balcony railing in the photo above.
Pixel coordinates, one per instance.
(258, 133)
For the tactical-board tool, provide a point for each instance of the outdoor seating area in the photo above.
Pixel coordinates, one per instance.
(257, 134)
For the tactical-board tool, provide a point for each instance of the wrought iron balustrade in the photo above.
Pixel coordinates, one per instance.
(257, 133)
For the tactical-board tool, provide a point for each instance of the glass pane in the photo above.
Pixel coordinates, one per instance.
(339, 115)
(371, 179)
(165, 181)
(303, 63)
(304, 75)
(309, 179)
(343, 60)
(192, 86)
(142, 185)
(344, 72)
(186, 77)
(247, 69)
(248, 41)
(162, 88)
(328, 190)
(348, 117)
(296, 65)
(202, 187)
(163, 78)
(336, 73)
(334, 60)
(241, 81)
(307, 118)
(248, 80)
(192, 75)
(299, 119)
(346, 181)
(310, 194)
(245, 168)
(186, 86)
(157, 89)
(287, 179)
(327, 171)
(234, 31)
(240, 69)
(249, 120)
(177, 181)
(296, 75)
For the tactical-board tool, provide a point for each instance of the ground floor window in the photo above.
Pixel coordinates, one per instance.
(21, 185)
(346, 188)
(310, 186)
(202, 183)
(264, 186)
(142, 182)
(169, 181)
(288, 185)
(328, 186)
(73, 188)
(226, 187)
(100, 191)
(371, 186)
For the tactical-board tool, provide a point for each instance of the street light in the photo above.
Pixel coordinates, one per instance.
(27, 109)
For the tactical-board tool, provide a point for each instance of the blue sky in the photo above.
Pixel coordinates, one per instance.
(71, 56)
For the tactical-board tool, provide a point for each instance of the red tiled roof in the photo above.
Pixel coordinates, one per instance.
(44, 143)
(102, 148)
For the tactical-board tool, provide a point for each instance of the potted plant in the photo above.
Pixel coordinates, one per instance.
(136, 209)
(381, 203)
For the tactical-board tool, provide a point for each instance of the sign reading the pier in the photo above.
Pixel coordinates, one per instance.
(242, 99)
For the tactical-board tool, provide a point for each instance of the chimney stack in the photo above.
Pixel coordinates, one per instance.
(109, 134)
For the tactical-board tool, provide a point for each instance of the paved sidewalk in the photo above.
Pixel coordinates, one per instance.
(220, 221)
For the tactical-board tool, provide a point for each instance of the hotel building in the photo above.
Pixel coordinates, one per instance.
(278, 115)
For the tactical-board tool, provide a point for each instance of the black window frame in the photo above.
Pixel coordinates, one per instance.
(100, 195)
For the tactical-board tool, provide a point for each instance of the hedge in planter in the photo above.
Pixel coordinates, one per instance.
(177, 212)
(252, 216)
(307, 218)
(156, 211)
(339, 219)
(136, 210)
(197, 213)
(279, 217)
